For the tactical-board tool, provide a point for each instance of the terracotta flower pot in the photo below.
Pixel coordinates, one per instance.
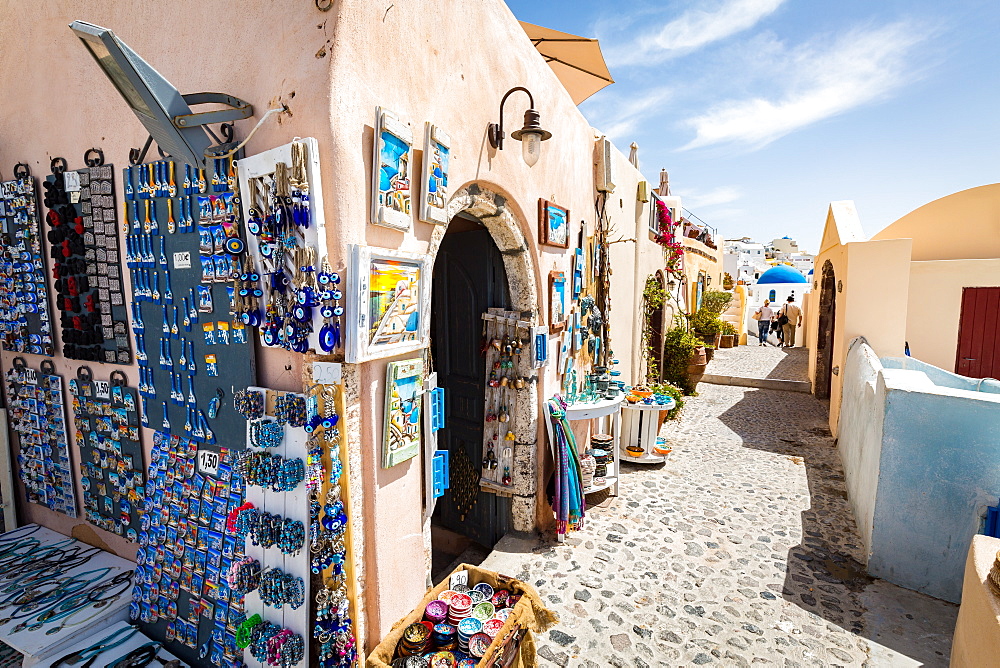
(728, 341)
(696, 367)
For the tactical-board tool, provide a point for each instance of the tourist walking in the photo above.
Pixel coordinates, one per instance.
(764, 315)
(790, 320)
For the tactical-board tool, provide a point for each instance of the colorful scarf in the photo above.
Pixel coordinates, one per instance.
(568, 503)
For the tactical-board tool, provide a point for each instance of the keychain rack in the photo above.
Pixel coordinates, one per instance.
(106, 417)
(508, 341)
(183, 247)
(25, 312)
(286, 238)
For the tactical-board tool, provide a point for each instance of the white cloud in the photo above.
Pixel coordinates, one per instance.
(690, 31)
(714, 197)
(860, 67)
(623, 117)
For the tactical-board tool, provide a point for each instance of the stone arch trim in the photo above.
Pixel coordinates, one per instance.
(490, 207)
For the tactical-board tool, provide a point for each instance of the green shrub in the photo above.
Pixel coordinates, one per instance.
(728, 329)
(671, 391)
(678, 347)
(706, 322)
(716, 301)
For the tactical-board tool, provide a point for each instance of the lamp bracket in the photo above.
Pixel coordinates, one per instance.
(496, 129)
(240, 109)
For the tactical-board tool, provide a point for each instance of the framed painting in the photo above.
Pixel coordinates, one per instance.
(403, 411)
(388, 303)
(434, 178)
(553, 224)
(557, 301)
(391, 177)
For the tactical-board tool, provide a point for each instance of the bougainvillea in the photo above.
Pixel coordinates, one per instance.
(673, 250)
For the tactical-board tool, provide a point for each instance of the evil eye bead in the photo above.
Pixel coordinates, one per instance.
(253, 225)
(335, 278)
(338, 311)
(326, 312)
(235, 246)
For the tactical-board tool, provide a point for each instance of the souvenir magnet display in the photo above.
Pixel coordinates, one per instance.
(508, 358)
(191, 348)
(106, 417)
(186, 550)
(36, 405)
(83, 244)
(25, 313)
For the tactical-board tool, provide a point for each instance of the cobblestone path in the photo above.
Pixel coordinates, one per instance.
(741, 550)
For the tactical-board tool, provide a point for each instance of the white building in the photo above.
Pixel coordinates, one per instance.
(744, 260)
(777, 284)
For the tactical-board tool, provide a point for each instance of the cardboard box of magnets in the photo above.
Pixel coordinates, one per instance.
(514, 645)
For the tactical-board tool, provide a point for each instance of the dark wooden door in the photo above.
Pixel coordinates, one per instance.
(978, 339)
(827, 324)
(469, 278)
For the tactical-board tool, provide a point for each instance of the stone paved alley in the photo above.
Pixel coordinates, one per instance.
(740, 550)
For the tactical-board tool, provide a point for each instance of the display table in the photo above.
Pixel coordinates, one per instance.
(39, 647)
(111, 656)
(641, 426)
(609, 409)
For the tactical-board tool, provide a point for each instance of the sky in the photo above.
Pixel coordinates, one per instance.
(765, 111)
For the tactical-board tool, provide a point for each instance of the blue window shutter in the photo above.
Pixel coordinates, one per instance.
(441, 472)
(437, 409)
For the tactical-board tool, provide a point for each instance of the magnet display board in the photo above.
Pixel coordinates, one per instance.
(36, 402)
(25, 312)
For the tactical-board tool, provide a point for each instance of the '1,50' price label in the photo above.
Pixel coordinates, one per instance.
(208, 462)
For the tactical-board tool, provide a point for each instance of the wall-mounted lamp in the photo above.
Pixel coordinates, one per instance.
(531, 135)
(708, 280)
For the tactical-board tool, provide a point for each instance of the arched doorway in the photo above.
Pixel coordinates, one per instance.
(827, 325)
(481, 261)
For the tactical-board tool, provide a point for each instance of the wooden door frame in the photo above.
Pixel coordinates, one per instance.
(824, 340)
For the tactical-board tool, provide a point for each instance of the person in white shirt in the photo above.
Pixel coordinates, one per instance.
(793, 316)
(765, 314)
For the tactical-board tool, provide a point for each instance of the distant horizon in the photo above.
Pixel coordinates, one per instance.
(765, 111)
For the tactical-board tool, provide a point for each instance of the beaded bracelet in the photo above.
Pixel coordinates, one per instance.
(249, 404)
(245, 631)
(291, 652)
(278, 588)
(266, 434)
(292, 538)
(244, 576)
(259, 637)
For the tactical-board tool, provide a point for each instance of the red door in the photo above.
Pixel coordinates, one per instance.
(978, 335)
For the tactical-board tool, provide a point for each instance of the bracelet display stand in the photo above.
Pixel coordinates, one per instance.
(40, 648)
(293, 505)
(640, 427)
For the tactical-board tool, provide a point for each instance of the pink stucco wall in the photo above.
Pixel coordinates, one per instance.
(444, 61)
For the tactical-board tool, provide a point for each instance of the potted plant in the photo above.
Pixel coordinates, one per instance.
(707, 325)
(709, 353)
(729, 334)
(683, 359)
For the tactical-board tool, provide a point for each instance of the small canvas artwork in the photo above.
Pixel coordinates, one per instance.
(434, 191)
(403, 405)
(391, 305)
(557, 301)
(392, 172)
(553, 224)
(394, 301)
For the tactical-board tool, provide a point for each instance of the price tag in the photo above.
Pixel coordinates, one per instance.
(208, 462)
(182, 260)
(102, 389)
(326, 373)
(31, 376)
(458, 578)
